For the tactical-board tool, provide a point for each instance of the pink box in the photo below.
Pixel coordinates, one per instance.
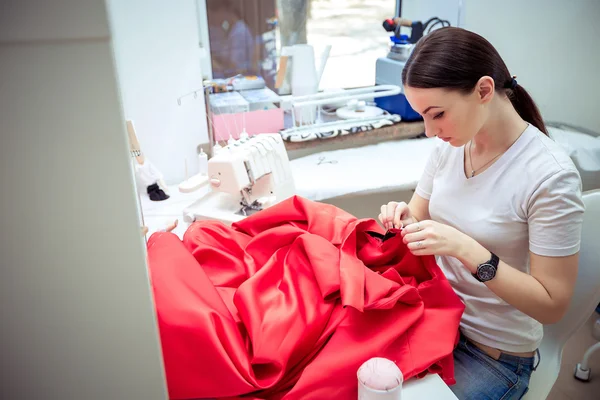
(256, 122)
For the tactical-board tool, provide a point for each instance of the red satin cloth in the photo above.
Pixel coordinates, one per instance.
(288, 303)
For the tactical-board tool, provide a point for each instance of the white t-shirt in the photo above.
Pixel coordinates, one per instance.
(528, 200)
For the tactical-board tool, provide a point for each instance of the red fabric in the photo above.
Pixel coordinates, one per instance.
(288, 303)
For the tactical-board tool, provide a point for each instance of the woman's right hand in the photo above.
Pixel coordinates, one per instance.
(395, 215)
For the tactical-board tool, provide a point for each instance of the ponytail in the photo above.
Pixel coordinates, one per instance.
(526, 107)
(455, 58)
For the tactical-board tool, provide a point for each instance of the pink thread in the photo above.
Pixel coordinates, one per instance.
(380, 374)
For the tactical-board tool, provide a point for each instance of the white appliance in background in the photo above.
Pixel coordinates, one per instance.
(583, 146)
(299, 73)
(349, 123)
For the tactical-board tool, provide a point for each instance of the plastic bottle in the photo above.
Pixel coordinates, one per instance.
(231, 141)
(203, 162)
(217, 148)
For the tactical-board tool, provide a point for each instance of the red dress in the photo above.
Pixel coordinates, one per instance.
(288, 303)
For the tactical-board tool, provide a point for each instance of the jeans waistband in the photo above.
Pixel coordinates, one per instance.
(508, 358)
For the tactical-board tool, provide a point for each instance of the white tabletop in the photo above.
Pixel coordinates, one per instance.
(384, 167)
(159, 214)
(429, 387)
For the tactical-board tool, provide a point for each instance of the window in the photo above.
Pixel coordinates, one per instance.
(246, 36)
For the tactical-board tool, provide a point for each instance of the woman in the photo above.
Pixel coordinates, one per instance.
(499, 203)
(234, 49)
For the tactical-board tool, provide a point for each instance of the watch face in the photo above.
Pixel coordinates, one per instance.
(485, 272)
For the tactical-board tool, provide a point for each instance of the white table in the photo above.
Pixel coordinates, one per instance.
(430, 387)
(384, 167)
(158, 215)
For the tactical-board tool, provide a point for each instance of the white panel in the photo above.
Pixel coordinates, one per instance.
(34, 20)
(204, 42)
(158, 61)
(77, 316)
(419, 10)
(552, 46)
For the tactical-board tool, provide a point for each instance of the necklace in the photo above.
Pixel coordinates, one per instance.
(474, 171)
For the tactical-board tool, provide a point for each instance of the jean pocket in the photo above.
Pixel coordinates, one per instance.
(503, 372)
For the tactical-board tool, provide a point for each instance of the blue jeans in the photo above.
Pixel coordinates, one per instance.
(480, 377)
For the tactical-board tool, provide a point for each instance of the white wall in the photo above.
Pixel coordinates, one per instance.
(76, 311)
(450, 10)
(158, 60)
(553, 47)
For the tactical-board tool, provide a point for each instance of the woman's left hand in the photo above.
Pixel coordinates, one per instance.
(432, 238)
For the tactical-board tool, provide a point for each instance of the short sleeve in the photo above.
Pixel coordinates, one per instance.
(555, 215)
(425, 185)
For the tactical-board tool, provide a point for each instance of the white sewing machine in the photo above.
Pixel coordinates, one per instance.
(246, 176)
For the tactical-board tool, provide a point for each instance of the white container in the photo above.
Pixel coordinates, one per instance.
(228, 103)
(304, 81)
(391, 375)
(203, 162)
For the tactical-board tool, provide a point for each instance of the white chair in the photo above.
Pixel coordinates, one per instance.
(583, 370)
(585, 299)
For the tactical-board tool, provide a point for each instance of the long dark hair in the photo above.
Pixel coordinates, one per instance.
(455, 58)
